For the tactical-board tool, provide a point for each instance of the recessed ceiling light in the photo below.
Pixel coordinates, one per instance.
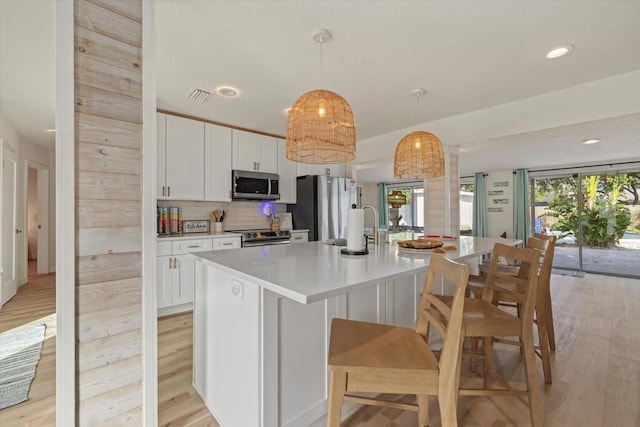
(559, 51)
(590, 141)
(50, 130)
(227, 91)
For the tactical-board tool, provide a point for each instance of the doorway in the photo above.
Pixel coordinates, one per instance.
(37, 200)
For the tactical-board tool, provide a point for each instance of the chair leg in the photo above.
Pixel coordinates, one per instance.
(543, 339)
(532, 379)
(337, 387)
(549, 316)
(488, 350)
(423, 410)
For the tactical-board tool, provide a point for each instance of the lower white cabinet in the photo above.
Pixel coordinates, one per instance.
(175, 270)
(299, 236)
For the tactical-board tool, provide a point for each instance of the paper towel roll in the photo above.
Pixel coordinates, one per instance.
(355, 230)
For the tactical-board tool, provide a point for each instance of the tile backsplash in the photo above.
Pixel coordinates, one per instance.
(238, 215)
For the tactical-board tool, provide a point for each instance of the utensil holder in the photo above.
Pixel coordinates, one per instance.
(218, 227)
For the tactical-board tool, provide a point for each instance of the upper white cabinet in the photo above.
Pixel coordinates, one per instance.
(217, 171)
(180, 158)
(325, 169)
(254, 152)
(287, 172)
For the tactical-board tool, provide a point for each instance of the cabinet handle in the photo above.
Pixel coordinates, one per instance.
(193, 246)
(163, 191)
(170, 267)
(168, 191)
(226, 244)
(175, 262)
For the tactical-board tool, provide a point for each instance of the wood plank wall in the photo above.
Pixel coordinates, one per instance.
(442, 199)
(108, 126)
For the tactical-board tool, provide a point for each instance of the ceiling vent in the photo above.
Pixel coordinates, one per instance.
(198, 95)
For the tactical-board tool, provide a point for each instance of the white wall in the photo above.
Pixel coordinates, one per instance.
(28, 152)
(499, 222)
(369, 196)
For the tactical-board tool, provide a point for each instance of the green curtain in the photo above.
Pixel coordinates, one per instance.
(383, 207)
(479, 207)
(521, 208)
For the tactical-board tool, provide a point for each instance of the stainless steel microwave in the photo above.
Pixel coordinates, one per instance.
(249, 185)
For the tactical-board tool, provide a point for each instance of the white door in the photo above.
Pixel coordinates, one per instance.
(43, 221)
(9, 283)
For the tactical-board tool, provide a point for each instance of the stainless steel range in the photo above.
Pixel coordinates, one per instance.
(264, 237)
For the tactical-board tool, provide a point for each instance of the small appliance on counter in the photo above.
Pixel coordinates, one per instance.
(357, 241)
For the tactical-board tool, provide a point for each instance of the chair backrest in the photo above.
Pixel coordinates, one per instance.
(526, 281)
(547, 260)
(541, 245)
(447, 320)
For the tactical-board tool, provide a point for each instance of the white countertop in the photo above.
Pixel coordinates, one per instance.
(313, 271)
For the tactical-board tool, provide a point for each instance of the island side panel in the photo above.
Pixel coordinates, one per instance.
(226, 346)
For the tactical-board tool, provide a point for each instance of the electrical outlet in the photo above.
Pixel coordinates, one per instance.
(236, 289)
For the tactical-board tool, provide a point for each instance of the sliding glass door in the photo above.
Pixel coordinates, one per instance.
(596, 217)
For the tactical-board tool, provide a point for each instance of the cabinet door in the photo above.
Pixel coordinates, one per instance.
(268, 161)
(287, 172)
(217, 171)
(254, 152)
(164, 285)
(185, 159)
(183, 279)
(246, 150)
(162, 156)
(299, 236)
(324, 169)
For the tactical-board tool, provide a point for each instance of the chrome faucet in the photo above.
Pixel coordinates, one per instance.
(377, 223)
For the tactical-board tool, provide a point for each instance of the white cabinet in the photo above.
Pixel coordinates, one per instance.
(287, 171)
(254, 152)
(180, 158)
(217, 171)
(175, 270)
(299, 236)
(338, 169)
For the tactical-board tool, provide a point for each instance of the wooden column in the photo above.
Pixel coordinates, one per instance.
(108, 196)
(442, 199)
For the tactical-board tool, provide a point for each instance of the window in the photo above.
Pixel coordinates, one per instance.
(466, 207)
(408, 216)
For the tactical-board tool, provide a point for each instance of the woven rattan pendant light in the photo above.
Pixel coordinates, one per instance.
(396, 198)
(419, 155)
(320, 128)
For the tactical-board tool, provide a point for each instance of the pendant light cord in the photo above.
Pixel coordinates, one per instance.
(321, 68)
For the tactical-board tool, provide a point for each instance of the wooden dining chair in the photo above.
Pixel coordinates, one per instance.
(543, 318)
(373, 358)
(482, 319)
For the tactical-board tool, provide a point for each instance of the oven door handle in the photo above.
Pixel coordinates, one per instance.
(266, 243)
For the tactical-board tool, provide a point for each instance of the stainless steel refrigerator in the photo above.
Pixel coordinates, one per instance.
(323, 203)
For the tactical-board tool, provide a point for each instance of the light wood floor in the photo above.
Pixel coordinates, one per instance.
(596, 366)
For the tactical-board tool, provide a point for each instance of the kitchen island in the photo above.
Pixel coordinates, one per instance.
(262, 318)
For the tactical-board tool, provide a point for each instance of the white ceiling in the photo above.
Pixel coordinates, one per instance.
(470, 56)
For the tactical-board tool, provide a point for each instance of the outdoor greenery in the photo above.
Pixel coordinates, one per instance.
(605, 216)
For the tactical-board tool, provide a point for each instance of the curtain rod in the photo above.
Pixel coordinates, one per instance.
(571, 167)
